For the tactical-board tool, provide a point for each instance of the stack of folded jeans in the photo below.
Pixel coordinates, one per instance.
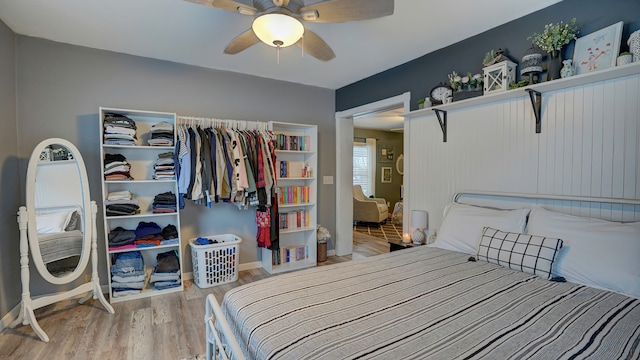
(119, 130)
(127, 273)
(161, 134)
(116, 167)
(164, 167)
(120, 203)
(164, 203)
(166, 273)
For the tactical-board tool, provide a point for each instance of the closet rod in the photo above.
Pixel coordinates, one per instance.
(233, 124)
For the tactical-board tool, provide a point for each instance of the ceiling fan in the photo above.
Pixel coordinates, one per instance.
(278, 23)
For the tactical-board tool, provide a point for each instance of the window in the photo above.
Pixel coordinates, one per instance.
(364, 165)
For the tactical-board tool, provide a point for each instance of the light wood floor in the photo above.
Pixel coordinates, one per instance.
(163, 327)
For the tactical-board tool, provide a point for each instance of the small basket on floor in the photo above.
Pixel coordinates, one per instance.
(217, 263)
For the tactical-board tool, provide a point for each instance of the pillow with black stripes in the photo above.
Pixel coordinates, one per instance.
(527, 253)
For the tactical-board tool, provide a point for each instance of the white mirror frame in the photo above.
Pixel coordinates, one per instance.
(29, 239)
(31, 207)
(400, 164)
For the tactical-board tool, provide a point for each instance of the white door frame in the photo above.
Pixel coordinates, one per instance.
(344, 166)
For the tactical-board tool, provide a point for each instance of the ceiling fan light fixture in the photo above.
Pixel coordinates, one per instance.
(278, 30)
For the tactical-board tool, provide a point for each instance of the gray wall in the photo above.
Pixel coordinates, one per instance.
(422, 74)
(388, 191)
(60, 88)
(10, 186)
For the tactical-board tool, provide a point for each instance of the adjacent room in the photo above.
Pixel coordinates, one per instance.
(314, 179)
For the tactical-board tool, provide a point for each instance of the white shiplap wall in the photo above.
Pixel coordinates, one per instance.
(589, 146)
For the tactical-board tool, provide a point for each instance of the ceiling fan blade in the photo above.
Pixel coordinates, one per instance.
(224, 4)
(313, 45)
(241, 42)
(349, 10)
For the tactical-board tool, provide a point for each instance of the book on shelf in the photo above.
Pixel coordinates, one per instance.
(294, 169)
(289, 195)
(295, 220)
(289, 254)
(293, 142)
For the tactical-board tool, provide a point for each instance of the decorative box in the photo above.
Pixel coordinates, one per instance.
(497, 77)
(462, 95)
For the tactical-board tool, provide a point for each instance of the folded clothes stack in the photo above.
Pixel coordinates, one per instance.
(164, 203)
(148, 234)
(164, 167)
(127, 273)
(116, 167)
(145, 235)
(119, 130)
(121, 203)
(166, 274)
(120, 238)
(170, 235)
(161, 134)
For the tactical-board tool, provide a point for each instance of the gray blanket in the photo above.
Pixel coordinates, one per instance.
(428, 303)
(58, 246)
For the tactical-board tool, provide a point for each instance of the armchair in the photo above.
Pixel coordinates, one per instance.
(373, 210)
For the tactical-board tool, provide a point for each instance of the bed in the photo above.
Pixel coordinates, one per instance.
(526, 282)
(59, 233)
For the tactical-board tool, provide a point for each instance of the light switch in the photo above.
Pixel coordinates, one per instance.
(327, 180)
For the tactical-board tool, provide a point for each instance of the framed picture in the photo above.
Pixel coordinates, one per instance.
(386, 153)
(386, 175)
(598, 50)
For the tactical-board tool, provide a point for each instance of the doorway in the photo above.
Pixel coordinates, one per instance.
(344, 165)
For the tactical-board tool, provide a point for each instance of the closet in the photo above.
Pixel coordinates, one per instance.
(278, 159)
(139, 189)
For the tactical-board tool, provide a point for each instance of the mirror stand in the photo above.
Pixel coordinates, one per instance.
(57, 226)
(28, 305)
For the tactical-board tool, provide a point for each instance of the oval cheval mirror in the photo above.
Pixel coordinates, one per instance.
(59, 211)
(58, 228)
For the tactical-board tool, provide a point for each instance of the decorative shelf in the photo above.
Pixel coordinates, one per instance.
(534, 92)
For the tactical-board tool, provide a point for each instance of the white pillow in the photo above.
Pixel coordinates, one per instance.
(597, 253)
(54, 222)
(462, 226)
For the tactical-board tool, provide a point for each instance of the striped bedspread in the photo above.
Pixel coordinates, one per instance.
(428, 303)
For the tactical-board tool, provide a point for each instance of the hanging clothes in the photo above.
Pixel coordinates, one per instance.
(220, 161)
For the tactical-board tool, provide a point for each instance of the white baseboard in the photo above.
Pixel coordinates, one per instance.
(331, 253)
(10, 317)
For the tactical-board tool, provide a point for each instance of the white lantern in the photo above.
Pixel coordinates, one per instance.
(497, 77)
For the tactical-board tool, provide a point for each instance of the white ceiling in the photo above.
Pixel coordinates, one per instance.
(388, 120)
(189, 33)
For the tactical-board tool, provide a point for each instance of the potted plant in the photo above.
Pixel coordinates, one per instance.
(455, 81)
(322, 236)
(624, 58)
(421, 104)
(552, 40)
